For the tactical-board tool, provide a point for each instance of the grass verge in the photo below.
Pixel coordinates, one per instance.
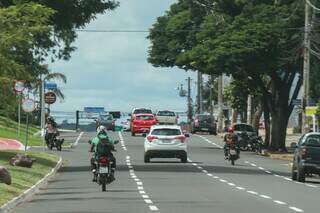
(24, 178)
(8, 129)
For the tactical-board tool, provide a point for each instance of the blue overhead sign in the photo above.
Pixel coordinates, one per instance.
(50, 85)
(93, 109)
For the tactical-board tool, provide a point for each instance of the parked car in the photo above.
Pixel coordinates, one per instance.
(247, 135)
(204, 123)
(142, 123)
(167, 117)
(106, 120)
(165, 141)
(306, 157)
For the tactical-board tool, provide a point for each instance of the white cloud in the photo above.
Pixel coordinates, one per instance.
(111, 70)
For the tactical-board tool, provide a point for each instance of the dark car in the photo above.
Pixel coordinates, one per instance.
(240, 128)
(306, 157)
(106, 120)
(204, 123)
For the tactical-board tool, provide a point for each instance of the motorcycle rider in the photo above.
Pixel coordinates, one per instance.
(229, 138)
(51, 130)
(102, 145)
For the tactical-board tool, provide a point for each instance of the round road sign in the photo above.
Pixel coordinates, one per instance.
(50, 98)
(28, 105)
(19, 86)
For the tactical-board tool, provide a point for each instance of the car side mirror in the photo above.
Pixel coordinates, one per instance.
(116, 142)
(187, 135)
(144, 135)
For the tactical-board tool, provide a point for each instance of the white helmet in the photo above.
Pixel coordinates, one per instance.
(101, 128)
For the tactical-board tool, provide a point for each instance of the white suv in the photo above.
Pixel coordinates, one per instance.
(165, 142)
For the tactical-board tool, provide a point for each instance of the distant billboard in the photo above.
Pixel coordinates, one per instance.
(93, 109)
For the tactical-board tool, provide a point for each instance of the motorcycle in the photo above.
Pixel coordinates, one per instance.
(104, 172)
(233, 154)
(53, 141)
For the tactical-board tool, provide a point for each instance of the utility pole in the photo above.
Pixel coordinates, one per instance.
(220, 103)
(306, 68)
(249, 110)
(189, 101)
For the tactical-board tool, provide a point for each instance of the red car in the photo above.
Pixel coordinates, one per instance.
(142, 123)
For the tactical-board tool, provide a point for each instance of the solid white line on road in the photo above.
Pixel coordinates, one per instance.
(77, 140)
(280, 202)
(296, 209)
(153, 208)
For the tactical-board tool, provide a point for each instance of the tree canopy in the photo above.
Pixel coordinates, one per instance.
(251, 40)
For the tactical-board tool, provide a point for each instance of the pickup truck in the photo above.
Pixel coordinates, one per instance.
(167, 117)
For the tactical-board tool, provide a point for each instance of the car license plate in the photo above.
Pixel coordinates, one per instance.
(166, 141)
(103, 170)
(233, 152)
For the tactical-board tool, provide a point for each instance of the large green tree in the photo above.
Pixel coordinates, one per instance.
(254, 40)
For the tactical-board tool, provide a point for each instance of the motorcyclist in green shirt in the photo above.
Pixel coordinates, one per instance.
(101, 145)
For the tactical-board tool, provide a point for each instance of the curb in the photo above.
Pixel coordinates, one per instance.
(31, 191)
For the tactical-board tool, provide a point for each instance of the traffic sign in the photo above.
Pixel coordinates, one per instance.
(28, 105)
(50, 85)
(19, 86)
(93, 109)
(50, 98)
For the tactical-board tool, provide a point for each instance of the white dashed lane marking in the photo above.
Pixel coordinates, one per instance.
(146, 198)
(279, 176)
(267, 197)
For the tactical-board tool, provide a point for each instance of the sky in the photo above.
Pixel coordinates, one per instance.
(111, 69)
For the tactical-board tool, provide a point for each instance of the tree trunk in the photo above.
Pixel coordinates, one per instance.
(234, 116)
(267, 128)
(257, 117)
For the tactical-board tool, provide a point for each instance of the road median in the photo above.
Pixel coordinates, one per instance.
(26, 181)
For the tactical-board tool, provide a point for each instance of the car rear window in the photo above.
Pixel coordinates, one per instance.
(312, 140)
(166, 132)
(166, 113)
(106, 117)
(205, 118)
(144, 117)
(243, 127)
(141, 111)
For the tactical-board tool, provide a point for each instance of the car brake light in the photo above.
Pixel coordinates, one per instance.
(180, 138)
(150, 138)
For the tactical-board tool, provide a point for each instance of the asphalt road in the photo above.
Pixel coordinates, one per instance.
(207, 183)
